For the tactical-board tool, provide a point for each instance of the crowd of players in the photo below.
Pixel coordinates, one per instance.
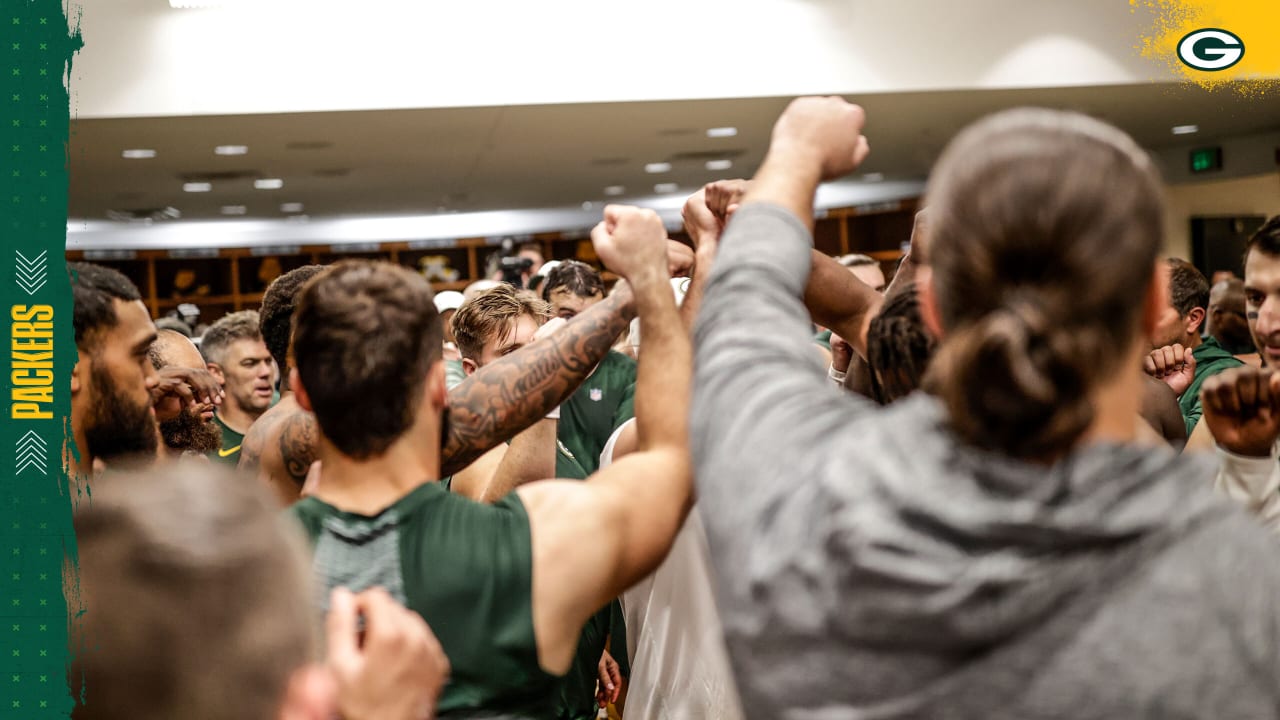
(1032, 475)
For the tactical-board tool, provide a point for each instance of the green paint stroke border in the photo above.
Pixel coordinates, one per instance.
(36, 534)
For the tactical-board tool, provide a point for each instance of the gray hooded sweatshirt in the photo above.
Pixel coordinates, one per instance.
(870, 565)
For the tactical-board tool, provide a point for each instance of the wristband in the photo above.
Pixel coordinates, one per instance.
(554, 414)
(835, 375)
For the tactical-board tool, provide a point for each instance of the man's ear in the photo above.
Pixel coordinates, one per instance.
(299, 392)
(928, 300)
(75, 373)
(1157, 298)
(437, 389)
(1195, 321)
(216, 371)
(469, 366)
(310, 695)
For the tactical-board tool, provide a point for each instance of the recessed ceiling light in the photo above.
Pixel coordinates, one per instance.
(293, 207)
(873, 177)
(231, 150)
(234, 210)
(1185, 129)
(722, 132)
(657, 167)
(588, 205)
(268, 184)
(614, 190)
(664, 188)
(139, 153)
(719, 164)
(197, 187)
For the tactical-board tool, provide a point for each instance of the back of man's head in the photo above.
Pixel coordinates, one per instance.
(173, 348)
(1227, 319)
(492, 314)
(195, 598)
(899, 346)
(1188, 287)
(228, 329)
(278, 304)
(94, 290)
(365, 335)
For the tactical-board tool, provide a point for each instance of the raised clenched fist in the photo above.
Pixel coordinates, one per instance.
(632, 242)
(822, 130)
(1242, 409)
(1172, 364)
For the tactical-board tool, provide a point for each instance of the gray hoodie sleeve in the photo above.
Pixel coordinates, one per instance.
(765, 419)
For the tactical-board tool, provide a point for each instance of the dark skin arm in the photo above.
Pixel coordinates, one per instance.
(834, 296)
(506, 396)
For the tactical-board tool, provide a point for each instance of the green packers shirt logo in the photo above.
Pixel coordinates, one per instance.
(1210, 49)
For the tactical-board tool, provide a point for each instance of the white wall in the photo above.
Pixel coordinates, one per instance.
(1256, 195)
(142, 57)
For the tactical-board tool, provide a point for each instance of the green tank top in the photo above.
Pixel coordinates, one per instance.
(603, 402)
(464, 567)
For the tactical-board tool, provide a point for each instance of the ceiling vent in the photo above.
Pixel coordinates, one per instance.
(220, 176)
(145, 215)
(701, 156)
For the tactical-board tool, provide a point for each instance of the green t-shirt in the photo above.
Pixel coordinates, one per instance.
(824, 339)
(1211, 359)
(231, 441)
(453, 373)
(603, 402)
(578, 694)
(466, 568)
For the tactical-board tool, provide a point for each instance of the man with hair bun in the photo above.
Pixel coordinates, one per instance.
(1000, 547)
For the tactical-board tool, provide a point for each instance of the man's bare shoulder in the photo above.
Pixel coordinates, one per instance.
(282, 444)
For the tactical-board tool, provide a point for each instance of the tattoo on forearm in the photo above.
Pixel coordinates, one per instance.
(298, 442)
(507, 396)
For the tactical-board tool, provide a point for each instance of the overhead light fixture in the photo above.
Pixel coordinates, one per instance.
(197, 187)
(268, 183)
(719, 164)
(139, 153)
(234, 210)
(722, 132)
(659, 167)
(1185, 129)
(231, 150)
(614, 190)
(292, 207)
(873, 177)
(588, 205)
(664, 188)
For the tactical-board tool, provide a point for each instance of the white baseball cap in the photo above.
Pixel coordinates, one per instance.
(448, 300)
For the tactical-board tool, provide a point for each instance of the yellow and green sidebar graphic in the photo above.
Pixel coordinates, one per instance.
(1215, 43)
(36, 536)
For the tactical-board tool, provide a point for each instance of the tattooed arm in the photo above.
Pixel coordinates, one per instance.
(504, 397)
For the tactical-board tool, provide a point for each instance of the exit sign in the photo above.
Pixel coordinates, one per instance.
(1206, 159)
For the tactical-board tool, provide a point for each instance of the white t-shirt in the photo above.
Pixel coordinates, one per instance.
(675, 644)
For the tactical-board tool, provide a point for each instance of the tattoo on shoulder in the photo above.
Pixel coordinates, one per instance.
(298, 439)
(254, 441)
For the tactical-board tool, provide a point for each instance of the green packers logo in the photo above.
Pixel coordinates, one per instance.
(1210, 49)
